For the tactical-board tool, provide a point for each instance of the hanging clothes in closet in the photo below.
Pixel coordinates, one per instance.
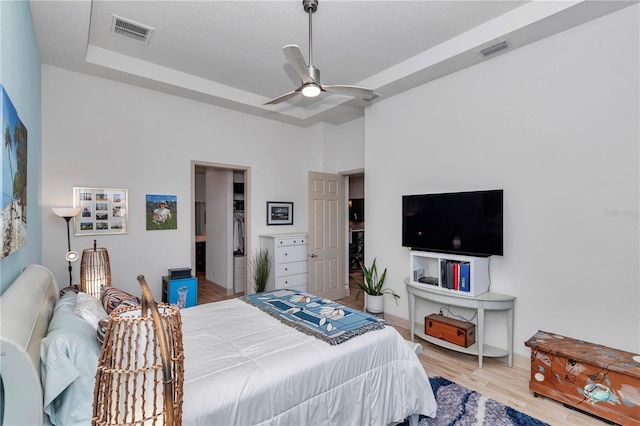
(238, 232)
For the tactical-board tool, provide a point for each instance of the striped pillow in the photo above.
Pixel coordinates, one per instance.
(102, 328)
(112, 297)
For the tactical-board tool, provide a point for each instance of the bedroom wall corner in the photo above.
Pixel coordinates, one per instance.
(20, 77)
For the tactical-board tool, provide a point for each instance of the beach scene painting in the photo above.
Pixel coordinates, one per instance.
(14, 178)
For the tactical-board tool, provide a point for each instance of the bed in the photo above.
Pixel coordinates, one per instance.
(242, 366)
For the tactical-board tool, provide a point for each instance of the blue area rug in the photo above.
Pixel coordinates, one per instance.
(460, 406)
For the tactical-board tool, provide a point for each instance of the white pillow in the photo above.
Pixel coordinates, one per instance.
(90, 309)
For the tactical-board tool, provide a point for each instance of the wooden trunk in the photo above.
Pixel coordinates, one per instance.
(459, 333)
(589, 377)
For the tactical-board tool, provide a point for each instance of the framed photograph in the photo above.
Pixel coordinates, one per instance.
(103, 211)
(162, 212)
(279, 213)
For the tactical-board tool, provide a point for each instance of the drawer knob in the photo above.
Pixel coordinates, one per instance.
(286, 269)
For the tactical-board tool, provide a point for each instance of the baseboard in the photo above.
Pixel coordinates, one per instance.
(228, 291)
(397, 321)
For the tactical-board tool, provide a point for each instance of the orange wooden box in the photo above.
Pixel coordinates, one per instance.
(459, 333)
(589, 377)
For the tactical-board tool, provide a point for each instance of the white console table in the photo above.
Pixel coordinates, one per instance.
(481, 303)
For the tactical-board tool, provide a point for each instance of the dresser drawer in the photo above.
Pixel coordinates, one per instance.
(295, 253)
(292, 241)
(293, 268)
(299, 281)
(238, 273)
(239, 261)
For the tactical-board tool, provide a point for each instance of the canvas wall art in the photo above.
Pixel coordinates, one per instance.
(162, 212)
(14, 178)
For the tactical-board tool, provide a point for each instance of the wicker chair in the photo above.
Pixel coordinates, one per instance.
(140, 373)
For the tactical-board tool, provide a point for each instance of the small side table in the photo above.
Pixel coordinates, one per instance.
(180, 291)
(481, 303)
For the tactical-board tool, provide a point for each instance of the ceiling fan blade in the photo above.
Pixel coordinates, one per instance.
(283, 98)
(355, 91)
(295, 58)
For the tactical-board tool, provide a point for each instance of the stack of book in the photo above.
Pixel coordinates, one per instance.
(455, 275)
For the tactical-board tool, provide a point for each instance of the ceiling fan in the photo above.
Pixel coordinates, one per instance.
(310, 75)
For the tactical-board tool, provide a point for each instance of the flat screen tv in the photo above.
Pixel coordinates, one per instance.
(467, 223)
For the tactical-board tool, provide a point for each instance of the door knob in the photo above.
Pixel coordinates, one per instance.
(313, 255)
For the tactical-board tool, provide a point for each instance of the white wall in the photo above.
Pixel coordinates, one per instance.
(343, 148)
(555, 124)
(100, 133)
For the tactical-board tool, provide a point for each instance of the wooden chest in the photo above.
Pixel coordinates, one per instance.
(451, 330)
(589, 377)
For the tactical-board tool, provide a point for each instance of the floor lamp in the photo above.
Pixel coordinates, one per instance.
(67, 213)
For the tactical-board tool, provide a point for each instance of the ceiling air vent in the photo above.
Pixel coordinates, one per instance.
(493, 48)
(130, 29)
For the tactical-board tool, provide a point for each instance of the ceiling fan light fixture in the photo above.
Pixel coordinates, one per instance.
(310, 90)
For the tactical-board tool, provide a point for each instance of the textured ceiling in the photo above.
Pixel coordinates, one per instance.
(229, 53)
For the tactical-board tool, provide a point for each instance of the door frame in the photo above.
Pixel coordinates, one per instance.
(247, 210)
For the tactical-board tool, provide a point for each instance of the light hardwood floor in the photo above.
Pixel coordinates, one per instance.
(495, 380)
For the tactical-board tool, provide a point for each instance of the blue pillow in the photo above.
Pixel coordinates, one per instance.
(69, 360)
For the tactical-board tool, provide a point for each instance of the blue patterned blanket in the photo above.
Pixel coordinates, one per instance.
(324, 319)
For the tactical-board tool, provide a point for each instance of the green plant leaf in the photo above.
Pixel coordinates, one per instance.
(260, 268)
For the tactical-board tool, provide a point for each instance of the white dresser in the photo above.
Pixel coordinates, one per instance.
(290, 265)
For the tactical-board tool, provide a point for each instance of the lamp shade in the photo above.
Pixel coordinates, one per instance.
(140, 374)
(95, 270)
(66, 212)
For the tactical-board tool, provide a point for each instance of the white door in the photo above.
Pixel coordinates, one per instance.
(326, 235)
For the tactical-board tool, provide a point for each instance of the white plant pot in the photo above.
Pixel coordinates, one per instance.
(374, 304)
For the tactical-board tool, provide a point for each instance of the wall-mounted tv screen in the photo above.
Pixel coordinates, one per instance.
(468, 223)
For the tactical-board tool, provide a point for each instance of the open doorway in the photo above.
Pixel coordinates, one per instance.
(355, 229)
(220, 232)
(355, 216)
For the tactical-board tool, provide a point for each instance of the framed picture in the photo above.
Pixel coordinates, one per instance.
(102, 211)
(161, 212)
(279, 213)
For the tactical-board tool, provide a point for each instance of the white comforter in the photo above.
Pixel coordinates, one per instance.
(243, 367)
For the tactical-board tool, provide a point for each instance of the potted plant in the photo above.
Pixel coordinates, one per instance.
(371, 285)
(260, 268)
